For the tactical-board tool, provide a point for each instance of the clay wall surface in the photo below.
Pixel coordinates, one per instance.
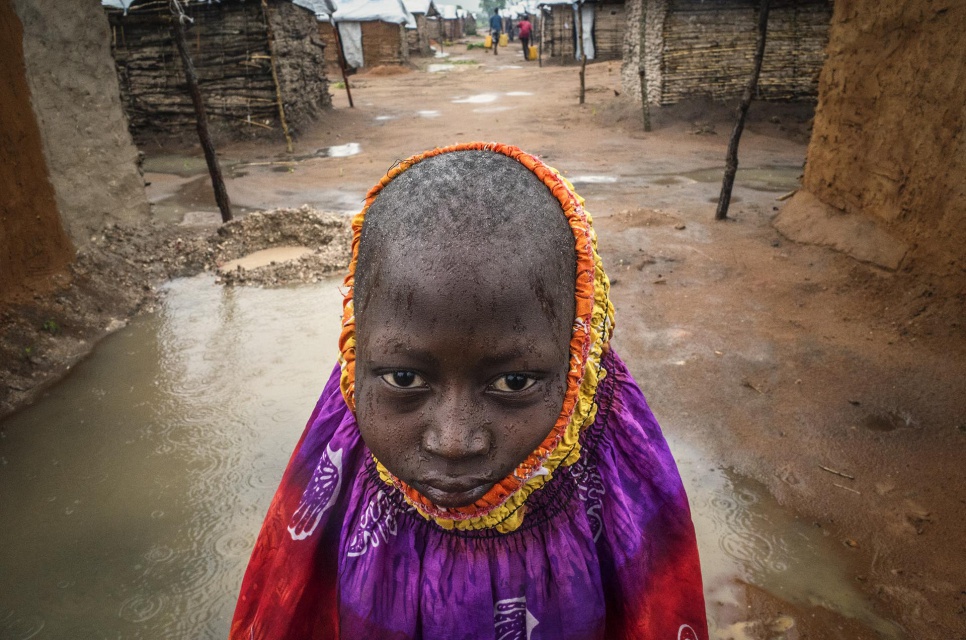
(231, 52)
(32, 241)
(888, 136)
(74, 91)
(383, 43)
(698, 48)
(331, 51)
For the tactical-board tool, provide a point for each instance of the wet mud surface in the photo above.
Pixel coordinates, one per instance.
(815, 404)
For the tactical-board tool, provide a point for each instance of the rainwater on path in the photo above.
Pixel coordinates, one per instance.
(132, 493)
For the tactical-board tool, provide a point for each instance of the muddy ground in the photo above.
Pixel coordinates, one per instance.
(837, 385)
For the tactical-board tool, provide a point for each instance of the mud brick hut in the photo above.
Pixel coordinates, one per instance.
(373, 32)
(451, 23)
(68, 167)
(705, 48)
(418, 31)
(234, 45)
(603, 30)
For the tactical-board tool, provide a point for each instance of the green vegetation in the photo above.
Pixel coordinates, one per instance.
(51, 327)
(464, 62)
(338, 85)
(475, 45)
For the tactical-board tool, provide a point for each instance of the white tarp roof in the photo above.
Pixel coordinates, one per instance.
(321, 8)
(368, 10)
(449, 11)
(418, 6)
(318, 7)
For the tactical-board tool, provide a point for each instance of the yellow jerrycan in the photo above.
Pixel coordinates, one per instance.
(532, 53)
(504, 39)
(488, 42)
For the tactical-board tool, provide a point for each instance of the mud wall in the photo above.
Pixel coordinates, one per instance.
(33, 243)
(73, 89)
(888, 137)
(699, 48)
(383, 43)
(300, 59)
(230, 48)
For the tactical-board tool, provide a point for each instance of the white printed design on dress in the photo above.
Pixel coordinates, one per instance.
(590, 490)
(376, 526)
(687, 633)
(512, 621)
(319, 496)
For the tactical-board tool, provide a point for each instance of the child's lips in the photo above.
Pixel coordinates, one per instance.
(454, 492)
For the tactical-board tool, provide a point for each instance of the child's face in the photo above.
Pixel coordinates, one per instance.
(460, 375)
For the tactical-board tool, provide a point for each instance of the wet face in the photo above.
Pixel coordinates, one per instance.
(460, 372)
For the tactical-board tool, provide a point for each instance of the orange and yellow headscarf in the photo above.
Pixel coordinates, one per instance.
(502, 506)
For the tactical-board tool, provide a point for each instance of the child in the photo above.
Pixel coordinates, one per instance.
(483, 465)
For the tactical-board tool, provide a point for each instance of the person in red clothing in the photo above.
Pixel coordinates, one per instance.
(525, 28)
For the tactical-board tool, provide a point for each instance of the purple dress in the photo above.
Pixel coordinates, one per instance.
(606, 548)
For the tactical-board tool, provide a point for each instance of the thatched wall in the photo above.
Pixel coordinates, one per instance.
(231, 50)
(559, 30)
(609, 22)
(704, 48)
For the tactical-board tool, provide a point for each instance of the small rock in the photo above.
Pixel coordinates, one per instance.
(680, 226)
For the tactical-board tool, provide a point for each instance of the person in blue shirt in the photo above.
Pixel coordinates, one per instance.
(496, 26)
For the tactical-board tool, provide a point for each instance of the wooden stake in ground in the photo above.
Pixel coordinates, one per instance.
(178, 18)
(342, 62)
(543, 22)
(278, 88)
(583, 54)
(641, 66)
(731, 161)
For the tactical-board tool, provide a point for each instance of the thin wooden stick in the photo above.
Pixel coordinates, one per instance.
(846, 488)
(342, 62)
(278, 88)
(642, 68)
(838, 473)
(731, 162)
(583, 53)
(218, 184)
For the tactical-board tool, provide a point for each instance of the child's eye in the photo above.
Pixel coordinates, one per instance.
(404, 379)
(513, 382)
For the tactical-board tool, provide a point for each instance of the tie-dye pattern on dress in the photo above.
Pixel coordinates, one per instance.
(607, 548)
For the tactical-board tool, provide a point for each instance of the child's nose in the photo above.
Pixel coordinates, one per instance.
(456, 431)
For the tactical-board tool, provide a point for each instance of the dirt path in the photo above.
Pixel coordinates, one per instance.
(788, 364)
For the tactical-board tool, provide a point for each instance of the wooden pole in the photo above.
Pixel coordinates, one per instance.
(642, 66)
(342, 62)
(278, 88)
(583, 54)
(543, 23)
(731, 161)
(178, 19)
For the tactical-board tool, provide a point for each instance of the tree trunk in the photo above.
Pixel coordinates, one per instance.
(217, 183)
(641, 70)
(731, 161)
